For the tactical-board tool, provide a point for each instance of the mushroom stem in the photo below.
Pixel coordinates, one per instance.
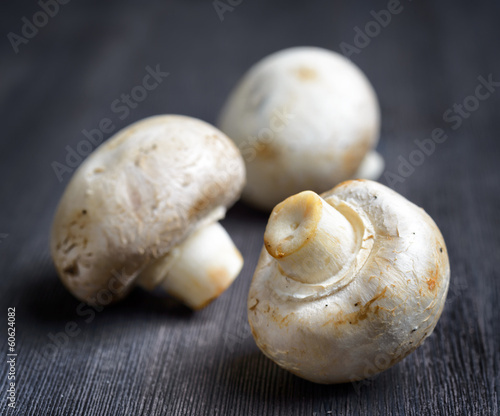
(310, 239)
(371, 166)
(197, 270)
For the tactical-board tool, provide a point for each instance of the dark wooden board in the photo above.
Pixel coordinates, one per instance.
(151, 356)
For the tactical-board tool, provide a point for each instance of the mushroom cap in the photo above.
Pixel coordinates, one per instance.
(378, 311)
(303, 118)
(136, 197)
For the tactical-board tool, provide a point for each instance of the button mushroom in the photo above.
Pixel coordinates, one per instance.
(348, 283)
(143, 209)
(303, 118)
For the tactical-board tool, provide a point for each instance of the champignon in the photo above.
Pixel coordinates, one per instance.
(303, 118)
(143, 209)
(348, 283)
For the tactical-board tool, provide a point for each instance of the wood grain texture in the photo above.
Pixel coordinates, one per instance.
(152, 356)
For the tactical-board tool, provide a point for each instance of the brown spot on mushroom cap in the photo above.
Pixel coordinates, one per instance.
(282, 321)
(254, 305)
(272, 313)
(432, 281)
(198, 206)
(266, 151)
(305, 73)
(72, 269)
(363, 313)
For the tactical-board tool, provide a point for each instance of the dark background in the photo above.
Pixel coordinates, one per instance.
(151, 356)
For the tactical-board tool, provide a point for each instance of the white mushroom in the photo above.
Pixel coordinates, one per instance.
(143, 209)
(303, 118)
(348, 283)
